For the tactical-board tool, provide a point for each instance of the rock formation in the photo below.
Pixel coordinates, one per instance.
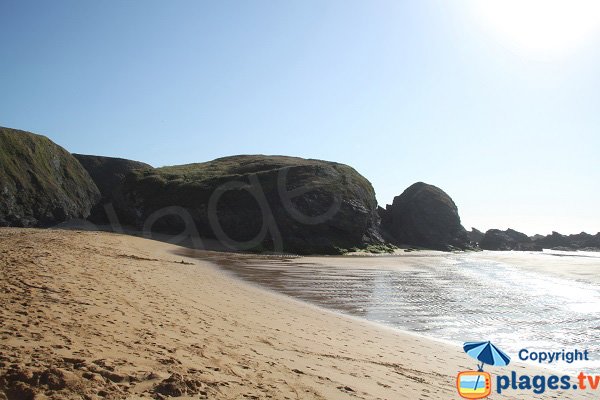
(41, 184)
(249, 202)
(475, 236)
(424, 215)
(510, 239)
(109, 174)
(579, 241)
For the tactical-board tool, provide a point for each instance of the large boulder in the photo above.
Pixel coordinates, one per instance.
(109, 173)
(424, 215)
(41, 184)
(252, 202)
(510, 239)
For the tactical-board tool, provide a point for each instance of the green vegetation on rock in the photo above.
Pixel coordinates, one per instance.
(308, 206)
(254, 203)
(40, 182)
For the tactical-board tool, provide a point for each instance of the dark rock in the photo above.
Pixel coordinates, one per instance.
(385, 223)
(592, 242)
(109, 174)
(518, 236)
(384, 216)
(510, 239)
(579, 241)
(475, 236)
(554, 240)
(41, 184)
(424, 215)
(251, 202)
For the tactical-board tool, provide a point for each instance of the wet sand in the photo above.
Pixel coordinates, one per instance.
(99, 315)
(583, 267)
(510, 299)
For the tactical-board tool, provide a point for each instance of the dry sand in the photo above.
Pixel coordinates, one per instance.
(99, 315)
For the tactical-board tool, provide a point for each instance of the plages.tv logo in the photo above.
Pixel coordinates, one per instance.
(478, 384)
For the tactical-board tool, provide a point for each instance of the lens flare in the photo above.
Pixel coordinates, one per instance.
(543, 27)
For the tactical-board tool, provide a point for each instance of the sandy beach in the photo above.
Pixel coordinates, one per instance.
(99, 315)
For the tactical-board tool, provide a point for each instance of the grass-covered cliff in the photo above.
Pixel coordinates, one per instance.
(41, 183)
(246, 202)
(256, 202)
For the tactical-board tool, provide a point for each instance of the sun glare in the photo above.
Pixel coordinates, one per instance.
(542, 27)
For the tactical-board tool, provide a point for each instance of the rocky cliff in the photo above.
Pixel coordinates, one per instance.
(424, 215)
(579, 241)
(475, 236)
(251, 202)
(495, 239)
(41, 184)
(109, 174)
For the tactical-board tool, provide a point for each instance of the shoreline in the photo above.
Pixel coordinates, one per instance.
(307, 304)
(112, 316)
(585, 268)
(527, 262)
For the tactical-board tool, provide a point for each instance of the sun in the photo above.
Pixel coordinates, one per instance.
(542, 27)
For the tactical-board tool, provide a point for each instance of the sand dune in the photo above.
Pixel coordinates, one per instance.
(98, 315)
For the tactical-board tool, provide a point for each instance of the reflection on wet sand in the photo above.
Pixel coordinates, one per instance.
(454, 297)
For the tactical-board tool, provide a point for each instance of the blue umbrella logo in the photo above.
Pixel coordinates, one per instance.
(487, 353)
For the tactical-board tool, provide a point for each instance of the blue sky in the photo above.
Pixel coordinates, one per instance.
(403, 91)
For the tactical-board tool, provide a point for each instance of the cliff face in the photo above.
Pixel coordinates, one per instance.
(424, 215)
(41, 184)
(250, 202)
(109, 174)
(475, 236)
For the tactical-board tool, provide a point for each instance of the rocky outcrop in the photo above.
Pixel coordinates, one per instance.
(424, 215)
(579, 241)
(246, 202)
(250, 202)
(41, 184)
(109, 174)
(475, 236)
(509, 239)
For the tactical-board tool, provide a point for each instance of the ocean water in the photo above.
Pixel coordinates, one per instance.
(457, 297)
